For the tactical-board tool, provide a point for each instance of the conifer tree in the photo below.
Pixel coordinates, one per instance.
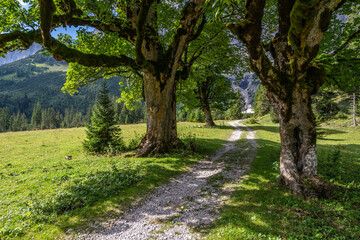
(36, 116)
(123, 117)
(4, 119)
(103, 136)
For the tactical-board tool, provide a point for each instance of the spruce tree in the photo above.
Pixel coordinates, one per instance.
(103, 136)
(4, 120)
(36, 116)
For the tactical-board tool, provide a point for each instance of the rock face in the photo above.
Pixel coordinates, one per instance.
(248, 86)
(17, 55)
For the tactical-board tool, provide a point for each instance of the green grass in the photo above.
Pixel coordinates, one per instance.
(260, 209)
(53, 68)
(42, 195)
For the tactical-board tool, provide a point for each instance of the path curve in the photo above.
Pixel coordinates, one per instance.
(190, 201)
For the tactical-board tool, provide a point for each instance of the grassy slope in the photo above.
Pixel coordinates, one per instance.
(39, 187)
(259, 209)
(41, 82)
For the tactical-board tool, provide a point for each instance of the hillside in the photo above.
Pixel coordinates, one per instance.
(17, 55)
(40, 78)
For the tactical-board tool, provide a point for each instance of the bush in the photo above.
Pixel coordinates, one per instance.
(252, 121)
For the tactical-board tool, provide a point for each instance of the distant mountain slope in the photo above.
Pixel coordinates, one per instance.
(248, 87)
(40, 78)
(17, 55)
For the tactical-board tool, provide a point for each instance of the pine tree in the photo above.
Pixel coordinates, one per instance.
(16, 124)
(87, 119)
(102, 134)
(23, 122)
(44, 119)
(5, 121)
(36, 116)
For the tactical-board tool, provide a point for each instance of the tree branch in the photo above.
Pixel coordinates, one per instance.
(249, 32)
(62, 52)
(26, 39)
(123, 29)
(284, 8)
(47, 10)
(190, 14)
(140, 30)
(199, 30)
(346, 43)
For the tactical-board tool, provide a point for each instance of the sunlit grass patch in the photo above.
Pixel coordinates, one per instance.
(43, 195)
(260, 209)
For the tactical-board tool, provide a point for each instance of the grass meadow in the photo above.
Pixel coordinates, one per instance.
(43, 195)
(260, 209)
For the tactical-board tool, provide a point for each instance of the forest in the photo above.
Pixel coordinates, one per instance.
(288, 171)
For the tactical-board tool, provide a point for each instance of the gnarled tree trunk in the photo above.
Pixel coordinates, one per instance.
(203, 92)
(290, 76)
(161, 133)
(209, 122)
(298, 159)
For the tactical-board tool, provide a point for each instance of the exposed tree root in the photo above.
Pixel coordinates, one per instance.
(210, 124)
(308, 187)
(150, 147)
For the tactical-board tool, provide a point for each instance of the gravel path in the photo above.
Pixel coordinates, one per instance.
(188, 203)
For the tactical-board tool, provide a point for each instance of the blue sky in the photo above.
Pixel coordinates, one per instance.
(69, 30)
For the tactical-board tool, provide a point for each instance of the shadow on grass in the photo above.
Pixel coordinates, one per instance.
(274, 129)
(328, 139)
(260, 209)
(222, 127)
(326, 131)
(89, 196)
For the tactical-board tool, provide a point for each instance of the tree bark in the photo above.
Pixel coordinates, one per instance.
(354, 109)
(298, 158)
(161, 133)
(209, 122)
(203, 92)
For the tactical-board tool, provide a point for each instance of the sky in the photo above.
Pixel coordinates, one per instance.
(69, 30)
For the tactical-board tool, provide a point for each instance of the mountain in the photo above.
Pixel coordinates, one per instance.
(36, 77)
(39, 78)
(17, 55)
(248, 87)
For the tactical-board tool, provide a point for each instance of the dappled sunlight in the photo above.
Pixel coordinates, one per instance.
(260, 209)
(70, 194)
